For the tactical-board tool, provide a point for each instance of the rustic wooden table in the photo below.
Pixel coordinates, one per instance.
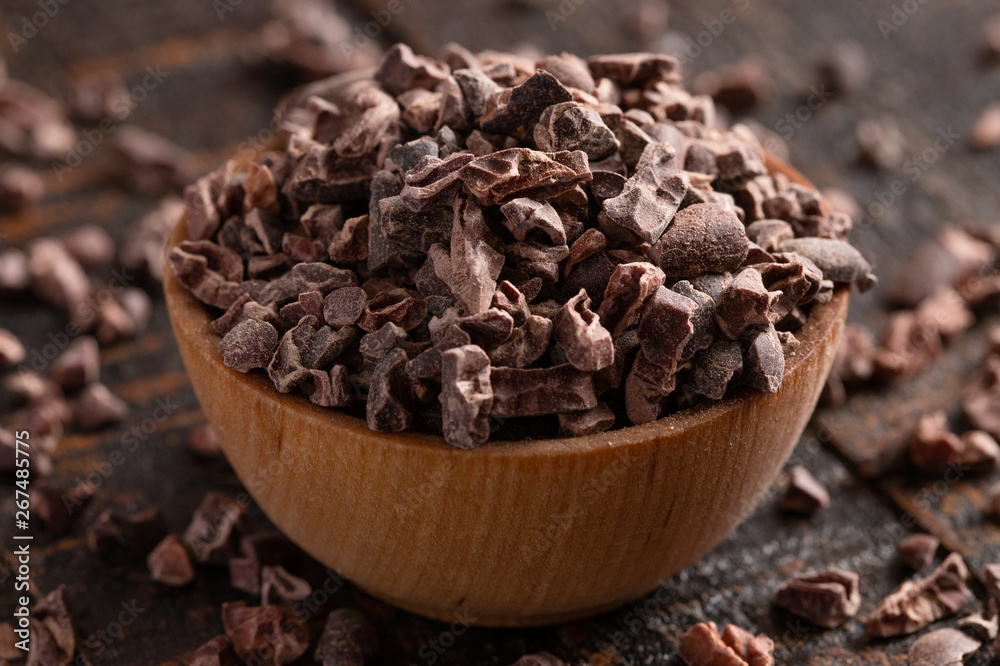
(925, 74)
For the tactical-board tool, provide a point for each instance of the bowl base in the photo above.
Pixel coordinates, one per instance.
(465, 617)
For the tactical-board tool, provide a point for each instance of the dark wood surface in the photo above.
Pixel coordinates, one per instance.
(926, 74)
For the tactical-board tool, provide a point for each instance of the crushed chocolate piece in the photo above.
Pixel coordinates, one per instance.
(538, 391)
(629, 289)
(804, 495)
(138, 531)
(917, 603)
(703, 646)
(737, 87)
(57, 505)
(515, 107)
(520, 172)
(248, 345)
(579, 332)
(838, 260)
(52, 615)
(204, 441)
(280, 588)
(981, 403)
(389, 394)
(586, 422)
(985, 134)
(97, 407)
(745, 302)
(348, 639)
(20, 187)
(649, 200)
(268, 635)
(216, 652)
(881, 143)
(212, 537)
(151, 163)
(169, 563)
(917, 550)
(12, 351)
(78, 365)
(575, 126)
(845, 69)
(827, 598)
(666, 327)
(466, 396)
(703, 238)
(933, 445)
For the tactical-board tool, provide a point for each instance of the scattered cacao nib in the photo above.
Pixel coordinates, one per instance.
(944, 261)
(212, 537)
(56, 640)
(985, 133)
(138, 531)
(150, 163)
(804, 495)
(942, 647)
(917, 603)
(917, 550)
(980, 452)
(906, 347)
(204, 442)
(8, 640)
(703, 646)
(100, 95)
(78, 365)
(169, 563)
(12, 352)
(827, 598)
(933, 445)
(982, 399)
(268, 635)
(55, 276)
(845, 70)
(20, 187)
(280, 588)
(97, 407)
(90, 245)
(881, 143)
(59, 506)
(737, 87)
(348, 639)
(216, 652)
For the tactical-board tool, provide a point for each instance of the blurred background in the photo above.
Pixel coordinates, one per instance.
(110, 107)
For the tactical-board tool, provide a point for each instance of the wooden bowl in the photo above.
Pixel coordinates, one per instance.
(514, 533)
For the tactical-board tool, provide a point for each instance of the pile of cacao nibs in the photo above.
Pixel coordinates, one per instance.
(485, 245)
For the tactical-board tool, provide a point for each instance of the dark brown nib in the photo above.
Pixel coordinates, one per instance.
(450, 243)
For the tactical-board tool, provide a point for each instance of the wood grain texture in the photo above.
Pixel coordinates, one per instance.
(514, 533)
